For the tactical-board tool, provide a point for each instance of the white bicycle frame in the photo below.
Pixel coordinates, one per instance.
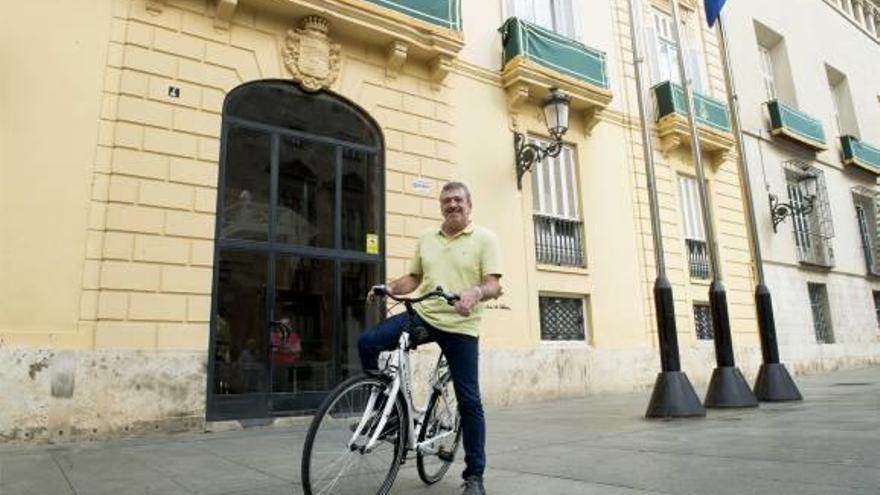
(400, 371)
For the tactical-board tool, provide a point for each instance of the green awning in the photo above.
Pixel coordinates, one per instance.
(862, 154)
(710, 112)
(796, 125)
(444, 13)
(553, 51)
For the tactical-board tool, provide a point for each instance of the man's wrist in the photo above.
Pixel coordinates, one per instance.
(479, 292)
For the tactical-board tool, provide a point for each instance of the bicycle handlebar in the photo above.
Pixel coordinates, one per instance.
(450, 297)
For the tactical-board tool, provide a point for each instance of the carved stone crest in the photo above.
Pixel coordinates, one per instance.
(309, 54)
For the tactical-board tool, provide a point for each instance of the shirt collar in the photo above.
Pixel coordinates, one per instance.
(469, 229)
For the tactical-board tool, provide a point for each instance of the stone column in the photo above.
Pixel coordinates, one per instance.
(858, 11)
(870, 20)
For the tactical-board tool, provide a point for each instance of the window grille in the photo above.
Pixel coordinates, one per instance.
(876, 294)
(812, 231)
(865, 201)
(555, 15)
(703, 321)
(694, 235)
(558, 227)
(821, 313)
(562, 318)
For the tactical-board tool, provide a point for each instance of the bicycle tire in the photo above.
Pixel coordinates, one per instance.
(432, 468)
(339, 414)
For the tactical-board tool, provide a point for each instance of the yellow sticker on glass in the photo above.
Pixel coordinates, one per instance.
(372, 244)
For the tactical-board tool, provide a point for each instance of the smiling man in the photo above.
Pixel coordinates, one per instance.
(462, 258)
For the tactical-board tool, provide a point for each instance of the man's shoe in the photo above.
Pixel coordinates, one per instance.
(473, 485)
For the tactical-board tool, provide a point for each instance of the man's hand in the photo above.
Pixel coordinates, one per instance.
(468, 299)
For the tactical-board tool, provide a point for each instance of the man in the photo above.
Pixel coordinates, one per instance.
(462, 258)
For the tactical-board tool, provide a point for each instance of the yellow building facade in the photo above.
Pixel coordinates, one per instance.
(152, 241)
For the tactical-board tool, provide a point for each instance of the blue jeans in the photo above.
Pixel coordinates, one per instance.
(462, 354)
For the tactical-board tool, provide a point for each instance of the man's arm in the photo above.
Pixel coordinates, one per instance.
(404, 284)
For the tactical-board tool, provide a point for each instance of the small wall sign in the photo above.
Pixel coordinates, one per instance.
(372, 244)
(421, 186)
(173, 92)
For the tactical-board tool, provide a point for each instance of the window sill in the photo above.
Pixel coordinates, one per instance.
(566, 344)
(574, 270)
(701, 281)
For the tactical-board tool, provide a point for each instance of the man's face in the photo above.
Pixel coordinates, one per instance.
(454, 206)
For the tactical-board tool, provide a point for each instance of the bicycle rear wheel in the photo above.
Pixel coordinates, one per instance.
(330, 465)
(441, 420)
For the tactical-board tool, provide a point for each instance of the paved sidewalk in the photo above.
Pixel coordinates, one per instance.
(827, 444)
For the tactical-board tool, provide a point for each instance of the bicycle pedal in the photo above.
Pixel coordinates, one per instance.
(445, 456)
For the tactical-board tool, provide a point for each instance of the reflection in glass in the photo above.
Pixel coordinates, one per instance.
(240, 324)
(246, 195)
(357, 315)
(306, 192)
(302, 355)
(283, 104)
(361, 187)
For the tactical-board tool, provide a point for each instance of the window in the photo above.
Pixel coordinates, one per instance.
(775, 72)
(876, 294)
(562, 318)
(665, 63)
(821, 313)
(555, 15)
(813, 231)
(841, 99)
(866, 215)
(767, 72)
(558, 227)
(703, 321)
(692, 220)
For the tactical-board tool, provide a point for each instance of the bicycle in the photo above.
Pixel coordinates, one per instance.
(364, 429)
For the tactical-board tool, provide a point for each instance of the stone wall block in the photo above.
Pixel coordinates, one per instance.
(127, 218)
(204, 123)
(129, 276)
(139, 34)
(140, 164)
(193, 172)
(151, 62)
(133, 83)
(128, 135)
(166, 195)
(125, 335)
(209, 75)
(161, 249)
(401, 203)
(198, 309)
(112, 305)
(118, 246)
(145, 112)
(190, 337)
(179, 44)
(201, 253)
(206, 200)
(164, 307)
(170, 142)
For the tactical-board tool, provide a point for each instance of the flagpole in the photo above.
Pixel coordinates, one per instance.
(774, 382)
(673, 395)
(727, 387)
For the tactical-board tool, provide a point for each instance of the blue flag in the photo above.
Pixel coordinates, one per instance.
(713, 10)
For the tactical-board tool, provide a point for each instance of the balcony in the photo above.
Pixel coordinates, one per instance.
(796, 126)
(424, 30)
(860, 154)
(713, 120)
(536, 59)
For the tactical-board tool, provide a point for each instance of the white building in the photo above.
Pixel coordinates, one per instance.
(806, 79)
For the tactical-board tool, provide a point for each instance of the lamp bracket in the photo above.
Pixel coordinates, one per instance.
(528, 154)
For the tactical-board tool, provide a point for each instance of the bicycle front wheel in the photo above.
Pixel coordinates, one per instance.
(443, 423)
(335, 460)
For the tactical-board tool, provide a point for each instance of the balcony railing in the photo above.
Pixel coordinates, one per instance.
(553, 51)
(443, 13)
(796, 125)
(710, 112)
(698, 259)
(559, 241)
(861, 154)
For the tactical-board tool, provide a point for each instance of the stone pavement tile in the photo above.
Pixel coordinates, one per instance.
(282, 489)
(685, 473)
(32, 473)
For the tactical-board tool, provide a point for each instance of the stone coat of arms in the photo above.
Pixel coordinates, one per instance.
(309, 54)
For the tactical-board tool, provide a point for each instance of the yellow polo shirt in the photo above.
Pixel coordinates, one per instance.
(455, 263)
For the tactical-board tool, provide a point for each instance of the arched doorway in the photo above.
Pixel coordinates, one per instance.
(299, 223)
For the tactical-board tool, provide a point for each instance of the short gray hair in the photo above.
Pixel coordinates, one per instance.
(451, 186)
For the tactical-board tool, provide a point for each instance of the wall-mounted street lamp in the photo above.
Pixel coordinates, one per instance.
(779, 211)
(528, 154)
